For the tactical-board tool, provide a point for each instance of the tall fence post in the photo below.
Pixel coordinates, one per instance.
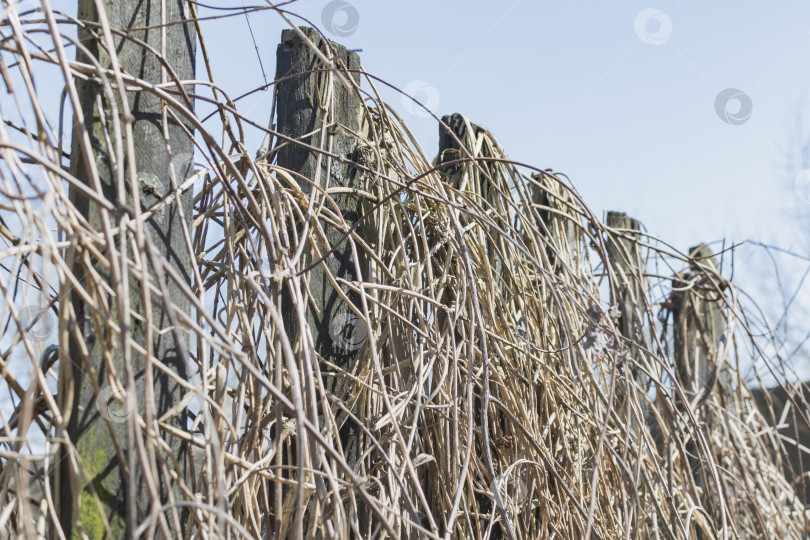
(460, 139)
(631, 290)
(308, 114)
(100, 370)
(314, 107)
(699, 325)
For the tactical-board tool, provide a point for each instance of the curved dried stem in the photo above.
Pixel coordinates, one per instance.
(515, 368)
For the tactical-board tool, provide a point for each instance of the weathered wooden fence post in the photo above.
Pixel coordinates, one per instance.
(112, 450)
(772, 403)
(460, 139)
(631, 290)
(315, 108)
(312, 113)
(699, 324)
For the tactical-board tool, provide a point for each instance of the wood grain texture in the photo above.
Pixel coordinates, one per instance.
(107, 449)
(305, 107)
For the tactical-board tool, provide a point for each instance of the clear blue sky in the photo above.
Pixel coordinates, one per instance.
(573, 86)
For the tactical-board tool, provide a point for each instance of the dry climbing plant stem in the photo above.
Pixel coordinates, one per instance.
(497, 393)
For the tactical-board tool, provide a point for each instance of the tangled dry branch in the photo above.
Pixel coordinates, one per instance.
(511, 363)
